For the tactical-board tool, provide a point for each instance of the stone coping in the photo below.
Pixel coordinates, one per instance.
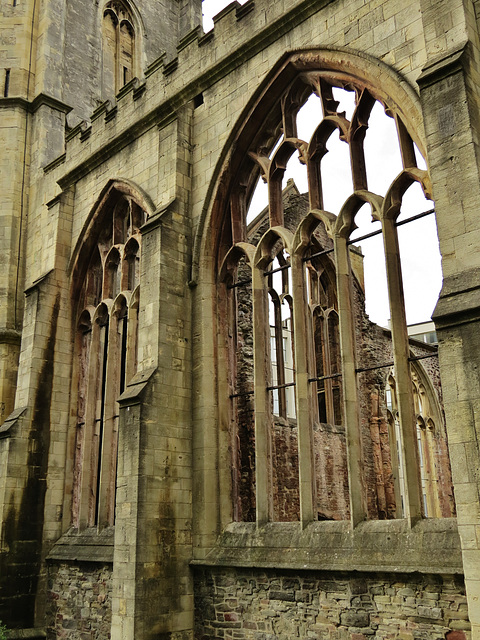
(89, 545)
(430, 546)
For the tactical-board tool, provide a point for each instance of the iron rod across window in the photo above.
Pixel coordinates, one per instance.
(281, 386)
(378, 366)
(319, 253)
(241, 283)
(282, 268)
(329, 377)
(390, 364)
(372, 234)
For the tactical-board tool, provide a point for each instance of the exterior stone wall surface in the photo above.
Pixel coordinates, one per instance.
(253, 604)
(79, 603)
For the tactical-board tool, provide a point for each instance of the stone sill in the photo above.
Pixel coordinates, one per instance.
(430, 546)
(89, 545)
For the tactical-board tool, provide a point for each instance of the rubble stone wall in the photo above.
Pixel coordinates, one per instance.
(79, 601)
(267, 604)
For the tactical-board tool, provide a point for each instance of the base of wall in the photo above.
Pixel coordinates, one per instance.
(31, 634)
(270, 604)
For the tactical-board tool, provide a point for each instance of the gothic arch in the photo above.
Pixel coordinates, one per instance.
(109, 196)
(122, 44)
(234, 167)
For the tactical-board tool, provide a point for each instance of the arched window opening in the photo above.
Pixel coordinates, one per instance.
(310, 284)
(239, 354)
(94, 283)
(111, 285)
(131, 265)
(118, 47)
(281, 337)
(121, 220)
(434, 471)
(106, 359)
(126, 51)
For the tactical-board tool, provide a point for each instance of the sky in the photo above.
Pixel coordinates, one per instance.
(421, 261)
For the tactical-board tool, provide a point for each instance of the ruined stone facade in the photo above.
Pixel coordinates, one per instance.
(202, 434)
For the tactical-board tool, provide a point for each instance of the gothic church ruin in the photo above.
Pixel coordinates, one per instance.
(203, 433)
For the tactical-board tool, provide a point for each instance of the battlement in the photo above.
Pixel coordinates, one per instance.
(239, 32)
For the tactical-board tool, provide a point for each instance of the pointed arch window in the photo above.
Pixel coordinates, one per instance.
(119, 63)
(331, 378)
(106, 358)
(434, 474)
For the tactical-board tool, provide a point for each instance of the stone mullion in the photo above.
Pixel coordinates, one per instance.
(358, 505)
(238, 214)
(275, 198)
(303, 341)
(108, 450)
(89, 457)
(132, 340)
(403, 381)
(433, 479)
(263, 412)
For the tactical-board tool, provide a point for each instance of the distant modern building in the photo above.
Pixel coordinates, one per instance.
(423, 331)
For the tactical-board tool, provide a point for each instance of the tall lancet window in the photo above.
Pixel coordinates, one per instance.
(106, 358)
(118, 47)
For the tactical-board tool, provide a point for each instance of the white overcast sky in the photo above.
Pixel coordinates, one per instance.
(421, 262)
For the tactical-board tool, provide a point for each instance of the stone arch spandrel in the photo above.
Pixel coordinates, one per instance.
(341, 64)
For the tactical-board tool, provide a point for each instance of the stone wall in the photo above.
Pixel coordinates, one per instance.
(268, 604)
(79, 603)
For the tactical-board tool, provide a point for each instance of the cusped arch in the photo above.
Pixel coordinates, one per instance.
(345, 223)
(404, 180)
(106, 201)
(131, 14)
(263, 253)
(235, 253)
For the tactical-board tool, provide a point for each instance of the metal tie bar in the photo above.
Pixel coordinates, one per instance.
(391, 364)
(241, 283)
(281, 386)
(319, 379)
(282, 268)
(372, 234)
(336, 375)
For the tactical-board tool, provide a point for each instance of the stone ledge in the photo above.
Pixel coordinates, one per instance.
(89, 545)
(8, 426)
(31, 634)
(431, 546)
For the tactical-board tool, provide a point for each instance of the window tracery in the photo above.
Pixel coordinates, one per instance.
(118, 47)
(106, 357)
(325, 289)
(426, 440)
